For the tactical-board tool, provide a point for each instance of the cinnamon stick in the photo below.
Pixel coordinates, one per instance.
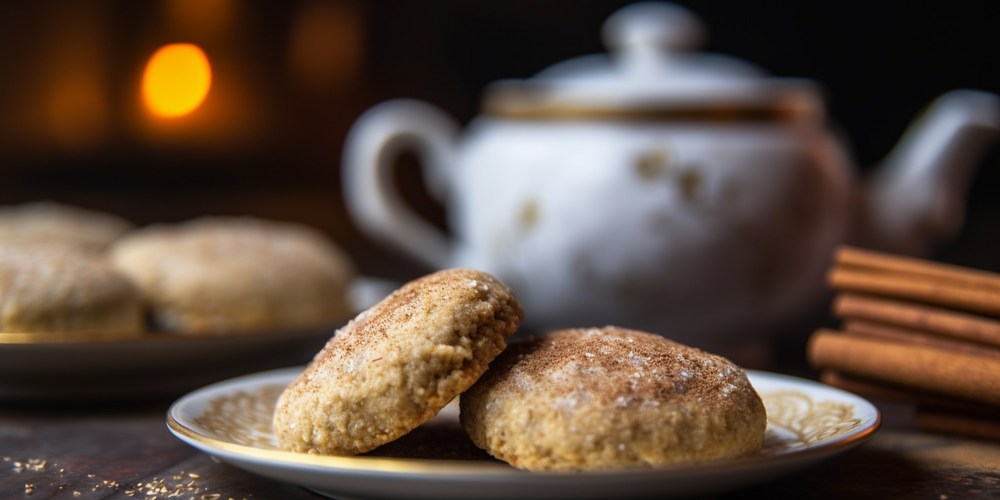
(920, 288)
(856, 257)
(872, 389)
(910, 336)
(919, 317)
(958, 423)
(963, 375)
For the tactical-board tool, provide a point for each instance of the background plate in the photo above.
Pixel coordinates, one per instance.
(65, 368)
(82, 366)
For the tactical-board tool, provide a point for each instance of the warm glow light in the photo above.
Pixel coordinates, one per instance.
(77, 114)
(327, 45)
(176, 80)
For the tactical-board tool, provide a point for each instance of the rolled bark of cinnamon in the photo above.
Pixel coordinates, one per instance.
(958, 423)
(934, 413)
(872, 389)
(918, 288)
(966, 376)
(856, 257)
(919, 317)
(910, 336)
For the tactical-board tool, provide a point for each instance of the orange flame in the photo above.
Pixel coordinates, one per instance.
(176, 80)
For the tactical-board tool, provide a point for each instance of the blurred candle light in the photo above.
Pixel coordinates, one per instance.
(326, 45)
(77, 114)
(176, 80)
(201, 19)
(62, 100)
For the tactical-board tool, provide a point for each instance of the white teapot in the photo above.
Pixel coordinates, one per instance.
(682, 193)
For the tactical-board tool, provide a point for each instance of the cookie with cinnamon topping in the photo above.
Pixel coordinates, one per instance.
(54, 287)
(611, 398)
(397, 364)
(56, 223)
(218, 274)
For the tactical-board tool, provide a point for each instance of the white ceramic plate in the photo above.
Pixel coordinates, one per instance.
(807, 422)
(85, 366)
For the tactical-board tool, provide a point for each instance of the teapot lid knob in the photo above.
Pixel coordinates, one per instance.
(653, 65)
(652, 27)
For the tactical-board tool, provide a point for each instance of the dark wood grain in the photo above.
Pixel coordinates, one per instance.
(115, 452)
(125, 451)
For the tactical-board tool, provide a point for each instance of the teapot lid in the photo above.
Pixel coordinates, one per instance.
(650, 74)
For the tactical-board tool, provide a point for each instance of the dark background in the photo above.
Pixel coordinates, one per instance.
(267, 142)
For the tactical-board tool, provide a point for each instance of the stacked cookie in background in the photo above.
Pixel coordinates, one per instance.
(918, 332)
(214, 275)
(54, 276)
(70, 270)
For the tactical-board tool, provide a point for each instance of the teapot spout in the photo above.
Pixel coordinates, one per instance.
(916, 199)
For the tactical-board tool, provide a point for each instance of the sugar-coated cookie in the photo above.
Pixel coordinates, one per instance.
(611, 398)
(397, 364)
(59, 288)
(56, 223)
(220, 274)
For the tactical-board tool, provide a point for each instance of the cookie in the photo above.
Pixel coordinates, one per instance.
(611, 398)
(397, 364)
(222, 274)
(55, 223)
(59, 288)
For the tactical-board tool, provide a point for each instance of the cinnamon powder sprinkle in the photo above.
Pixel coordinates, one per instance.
(182, 485)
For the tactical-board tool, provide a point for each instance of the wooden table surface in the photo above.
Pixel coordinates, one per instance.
(125, 451)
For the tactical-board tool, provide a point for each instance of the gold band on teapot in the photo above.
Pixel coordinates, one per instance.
(536, 104)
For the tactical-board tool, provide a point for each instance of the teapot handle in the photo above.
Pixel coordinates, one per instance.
(373, 144)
